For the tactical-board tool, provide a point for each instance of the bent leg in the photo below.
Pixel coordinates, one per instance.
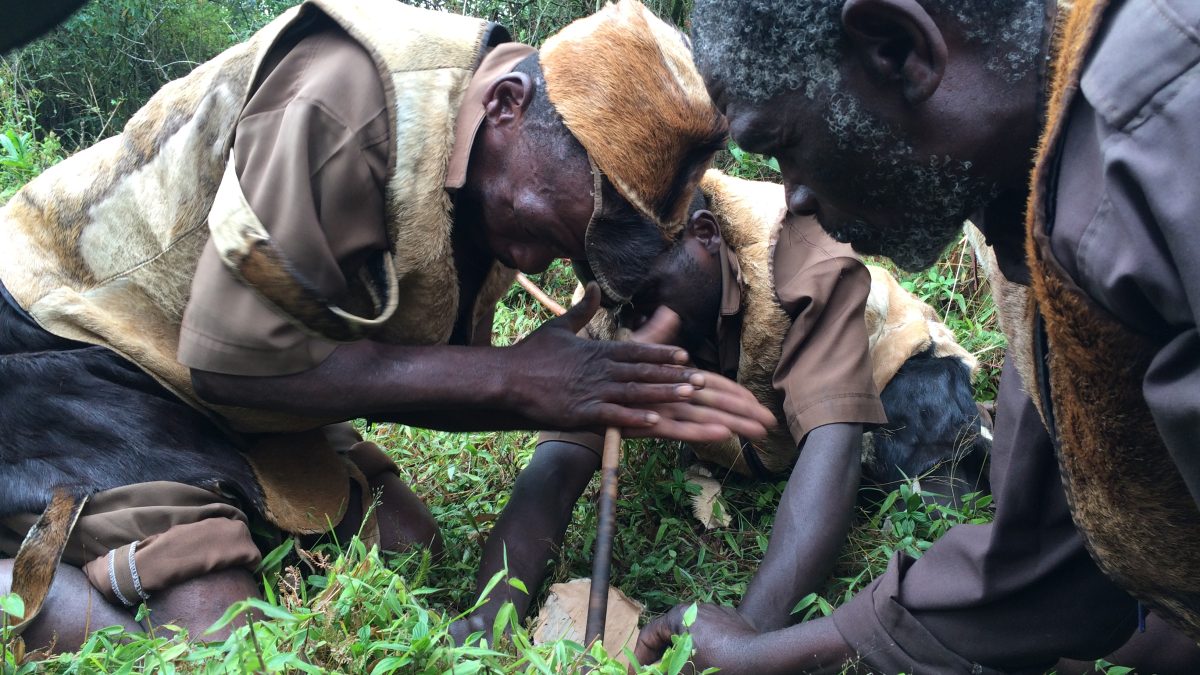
(73, 610)
(404, 520)
(531, 527)
(196, 604)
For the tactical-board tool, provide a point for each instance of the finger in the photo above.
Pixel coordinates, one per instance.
(613, 415)
(722, 392)
(653, 373)
(582, 312)
(702, 414)
(661, 328)
(653, 640)
(640, 394)
(687, 432)
(739, 403)
(634, 352)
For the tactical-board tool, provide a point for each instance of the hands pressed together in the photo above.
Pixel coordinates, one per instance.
(642, 386)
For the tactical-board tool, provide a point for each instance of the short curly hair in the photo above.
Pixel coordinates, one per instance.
(759, 49)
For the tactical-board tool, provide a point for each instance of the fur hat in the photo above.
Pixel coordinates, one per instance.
(625, 85)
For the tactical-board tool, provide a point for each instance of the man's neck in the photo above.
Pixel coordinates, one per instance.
(1003, 220)
(1003, 224)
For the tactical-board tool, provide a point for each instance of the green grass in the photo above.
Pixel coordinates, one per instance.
(347, 609)
(354, 611)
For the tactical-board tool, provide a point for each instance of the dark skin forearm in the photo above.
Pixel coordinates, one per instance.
(810, 525)
(383, 383)
(531, 528)
(551, 380)
(722, 639)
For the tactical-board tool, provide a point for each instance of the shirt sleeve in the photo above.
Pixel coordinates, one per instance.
(824, 372)
(311, 155)
(1165, 158)
(1013, 595)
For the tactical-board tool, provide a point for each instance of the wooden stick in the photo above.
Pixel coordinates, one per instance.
(605, 528)
(606, 524)
(540, 295)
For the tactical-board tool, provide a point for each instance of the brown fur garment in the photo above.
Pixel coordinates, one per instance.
(750, 214)
(900, 326)
(1125, 492)
(626, 87)
(37, 560)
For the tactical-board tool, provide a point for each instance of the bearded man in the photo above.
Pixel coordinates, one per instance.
(893, 120)
(315, 226)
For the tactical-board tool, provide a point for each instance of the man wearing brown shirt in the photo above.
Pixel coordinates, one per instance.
(785, 319)
(314, 226)
(892, 122)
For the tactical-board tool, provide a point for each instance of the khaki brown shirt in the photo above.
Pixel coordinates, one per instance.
(824, 373)
(312, 152)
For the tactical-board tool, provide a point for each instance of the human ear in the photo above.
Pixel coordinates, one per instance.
(703, 227)
(897, 41)
(506, 100)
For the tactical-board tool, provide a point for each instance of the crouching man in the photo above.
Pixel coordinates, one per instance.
(313, 227)
(788, 328)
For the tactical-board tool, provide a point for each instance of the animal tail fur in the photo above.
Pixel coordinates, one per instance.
(37, 559)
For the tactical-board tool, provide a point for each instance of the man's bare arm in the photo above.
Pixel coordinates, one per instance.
(722, 639)
(552, 379)
(810, 525)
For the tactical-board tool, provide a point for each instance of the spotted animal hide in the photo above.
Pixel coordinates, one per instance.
(102, 247)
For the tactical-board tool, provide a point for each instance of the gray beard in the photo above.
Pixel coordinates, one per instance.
(932, 195)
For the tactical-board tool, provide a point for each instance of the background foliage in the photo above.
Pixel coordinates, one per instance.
(341, 608)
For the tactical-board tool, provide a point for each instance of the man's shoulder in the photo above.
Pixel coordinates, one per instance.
(804, 248)
(1143, 50)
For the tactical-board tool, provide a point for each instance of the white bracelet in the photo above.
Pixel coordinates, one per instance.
(137, 581)
(112, 580)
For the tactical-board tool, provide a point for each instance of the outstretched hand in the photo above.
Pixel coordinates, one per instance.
(646, 389)
(720, 636)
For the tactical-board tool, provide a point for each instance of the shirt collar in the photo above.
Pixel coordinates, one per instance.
(498, 62)
(731, 283)
(729, 322)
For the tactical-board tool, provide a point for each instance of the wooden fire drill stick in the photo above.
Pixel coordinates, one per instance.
(606, 525)
(540, 295)
(606, 521)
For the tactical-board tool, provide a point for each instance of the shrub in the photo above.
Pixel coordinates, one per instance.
(22, 154)
(100, 66)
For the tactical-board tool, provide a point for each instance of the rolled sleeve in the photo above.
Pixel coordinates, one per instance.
(824, 372)
(311, 153)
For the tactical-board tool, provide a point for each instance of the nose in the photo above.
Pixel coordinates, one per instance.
(532, 259)
(801, 201)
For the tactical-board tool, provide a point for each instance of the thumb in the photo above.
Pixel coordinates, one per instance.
(653, 640)
(582, 312)
(662, 328)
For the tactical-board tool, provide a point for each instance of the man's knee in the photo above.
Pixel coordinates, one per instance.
(404, 520)
(196, 604)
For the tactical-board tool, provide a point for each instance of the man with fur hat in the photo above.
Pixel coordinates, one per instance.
(789, 328)
(893, 120)
(314, 226)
